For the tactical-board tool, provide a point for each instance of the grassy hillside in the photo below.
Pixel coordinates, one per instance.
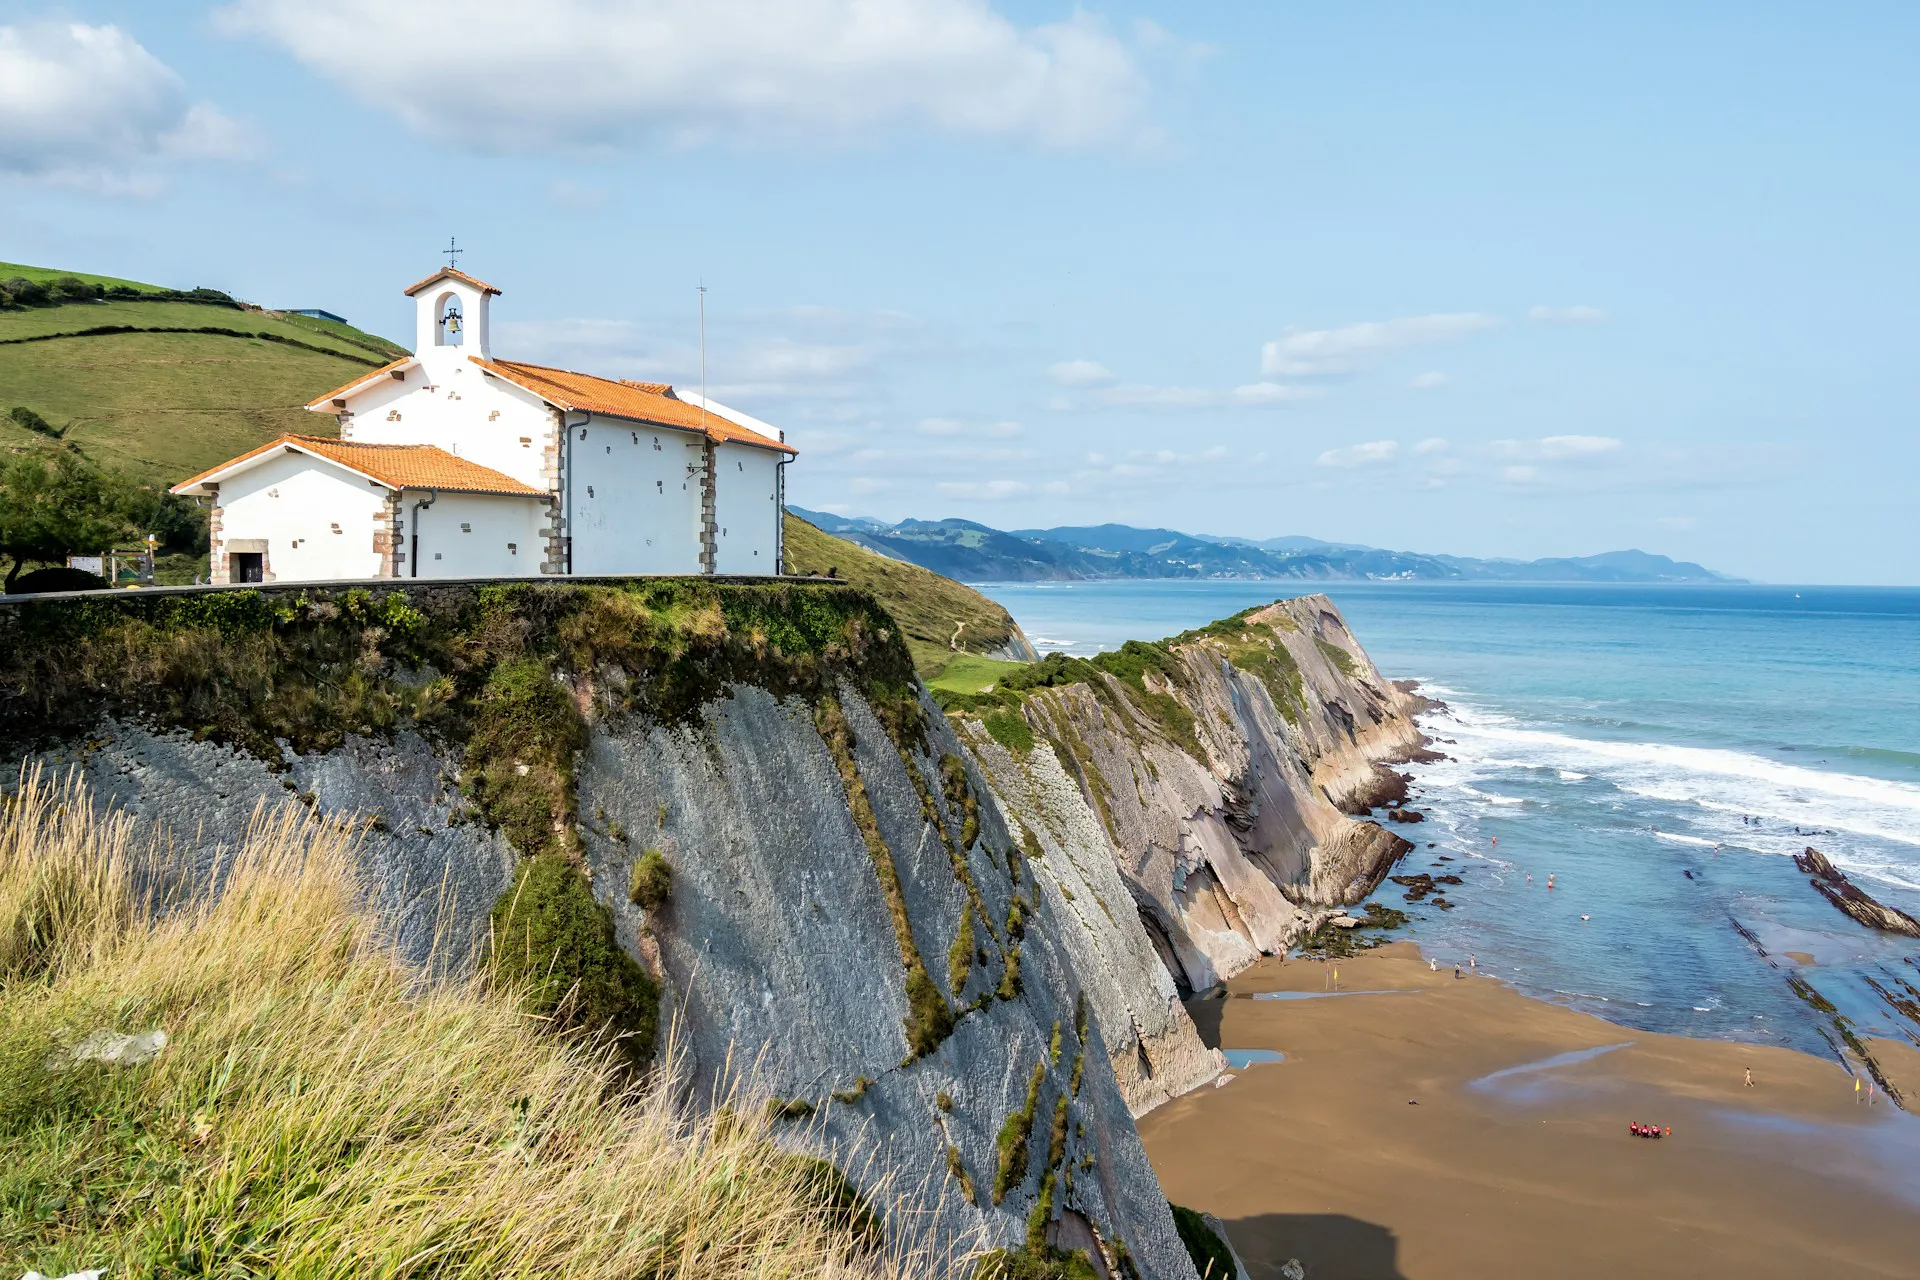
(250, 1084)
(163, 389)
(942, 618)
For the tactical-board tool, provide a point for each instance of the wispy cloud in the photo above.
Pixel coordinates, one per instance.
(1431, 380)
(1080, 373)
(1146, 396)
(1372, 453)
(1305, 353)
(1578, 314)
(958, 427)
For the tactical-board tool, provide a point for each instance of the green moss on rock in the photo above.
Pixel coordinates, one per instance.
(1211, 1256)
(553, 941)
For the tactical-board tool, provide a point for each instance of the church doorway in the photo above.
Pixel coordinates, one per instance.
(246, 566)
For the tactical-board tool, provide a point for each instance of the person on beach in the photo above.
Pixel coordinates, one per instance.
(1856, 1090)
(1749, 1077)
(1473, 963)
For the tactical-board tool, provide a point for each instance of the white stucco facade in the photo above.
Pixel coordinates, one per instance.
(310, 520)
(472, 466)
(471, 535)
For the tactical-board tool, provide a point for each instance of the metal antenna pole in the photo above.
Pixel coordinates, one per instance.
(703, 358)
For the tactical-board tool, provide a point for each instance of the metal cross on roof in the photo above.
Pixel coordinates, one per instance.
(453, 253)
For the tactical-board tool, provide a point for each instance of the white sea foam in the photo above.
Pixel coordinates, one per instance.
(1866, 825)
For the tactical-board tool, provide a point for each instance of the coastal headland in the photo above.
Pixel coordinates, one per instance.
(1428, 1127)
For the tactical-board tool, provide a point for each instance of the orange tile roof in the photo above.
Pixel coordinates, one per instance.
(454, 273)
(321, 404)
(641, 401)
(398, 466)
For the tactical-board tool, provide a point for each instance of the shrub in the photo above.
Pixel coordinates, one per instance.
(56, 578)
(1010, 729)
(28, 420)
(1211, 1257)
(552, 940)
(650, 880)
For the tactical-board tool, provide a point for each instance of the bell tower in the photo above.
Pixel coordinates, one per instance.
(450, 316)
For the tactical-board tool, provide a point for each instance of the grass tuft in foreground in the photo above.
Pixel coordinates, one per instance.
(318, 1110)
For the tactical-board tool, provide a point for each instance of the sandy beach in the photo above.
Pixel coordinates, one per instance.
(1425, 1127)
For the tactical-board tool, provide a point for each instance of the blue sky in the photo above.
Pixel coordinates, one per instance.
(1491, 279)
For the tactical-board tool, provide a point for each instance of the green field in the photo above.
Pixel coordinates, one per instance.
(162, 403)
(47, 275)
(972, 673)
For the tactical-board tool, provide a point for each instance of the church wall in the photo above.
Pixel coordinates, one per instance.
(450, 403)
(319, 522)
(635, 497)
(476, 535)
(747, 509)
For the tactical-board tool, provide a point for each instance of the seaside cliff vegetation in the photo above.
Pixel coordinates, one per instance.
(245, 1083)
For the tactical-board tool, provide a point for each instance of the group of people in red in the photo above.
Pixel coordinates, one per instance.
(1650, 1130)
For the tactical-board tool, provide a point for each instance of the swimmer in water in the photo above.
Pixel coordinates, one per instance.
(1549, 881)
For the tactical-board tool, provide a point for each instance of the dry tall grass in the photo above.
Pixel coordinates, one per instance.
(319, 1111)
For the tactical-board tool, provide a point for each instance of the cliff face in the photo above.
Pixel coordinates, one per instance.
(920, 934)
(853, 926)
(1218, 771)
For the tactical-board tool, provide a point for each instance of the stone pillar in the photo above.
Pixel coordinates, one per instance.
(709, 523)
(216, 544)
(558, 555)
(388, 528)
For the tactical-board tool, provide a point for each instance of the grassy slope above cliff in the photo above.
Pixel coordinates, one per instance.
(160, 403)
(936, 613)
(317, 1111)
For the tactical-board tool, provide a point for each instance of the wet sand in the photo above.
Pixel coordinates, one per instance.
(1516, 1158)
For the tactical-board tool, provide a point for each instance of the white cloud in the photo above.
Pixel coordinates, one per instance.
(1080, 373)
(1432, 444)
(89, 107)
(1679, 524)
(983, 490)
(1429, 381)
(1577, 446)
(1566, 315)
(1144, 396)
(1520, 475)
(1301, 353)
(1555, 448)
(496, 75)
(951, 427)
(1372, 453)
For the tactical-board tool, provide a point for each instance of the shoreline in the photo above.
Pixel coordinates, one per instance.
(1515, 1156)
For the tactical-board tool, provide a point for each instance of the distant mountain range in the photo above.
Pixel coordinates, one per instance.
(972, 552)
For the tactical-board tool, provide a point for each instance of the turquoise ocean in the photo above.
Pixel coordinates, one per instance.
(1661, 752)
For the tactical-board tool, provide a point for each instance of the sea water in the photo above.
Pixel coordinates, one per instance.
(1661, 752)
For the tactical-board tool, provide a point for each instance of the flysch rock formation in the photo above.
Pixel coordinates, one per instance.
(1227, 855)
(1121, 867)
(778, 949)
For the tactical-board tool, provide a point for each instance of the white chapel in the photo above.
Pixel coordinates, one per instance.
(451, 463)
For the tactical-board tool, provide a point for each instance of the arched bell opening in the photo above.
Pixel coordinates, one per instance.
(450, 322)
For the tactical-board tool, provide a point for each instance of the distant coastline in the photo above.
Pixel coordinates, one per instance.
(975, 553)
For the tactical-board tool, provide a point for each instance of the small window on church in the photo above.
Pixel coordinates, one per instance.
(661, 485)
(583, 433)
(739, 466)
(656, 444)
(589, 491)
(513, 548)
(465, 527)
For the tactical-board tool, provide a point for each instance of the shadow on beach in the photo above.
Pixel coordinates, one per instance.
(1331, 1246)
